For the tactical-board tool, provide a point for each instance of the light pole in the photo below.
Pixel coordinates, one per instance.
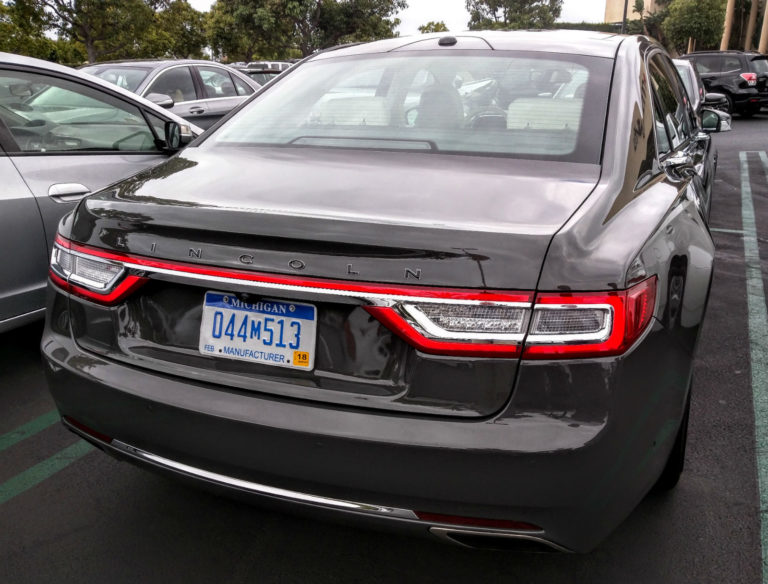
(624, 20)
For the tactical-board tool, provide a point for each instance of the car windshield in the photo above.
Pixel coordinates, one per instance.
(126, 77)
(524, 105)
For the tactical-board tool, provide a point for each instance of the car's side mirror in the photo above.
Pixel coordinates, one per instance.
(713, 121)
(177, 136)
(161, 99)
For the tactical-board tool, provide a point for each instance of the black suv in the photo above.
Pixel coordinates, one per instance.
(741, 76)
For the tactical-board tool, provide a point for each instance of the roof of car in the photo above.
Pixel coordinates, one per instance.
(579, 42)
(155, 63)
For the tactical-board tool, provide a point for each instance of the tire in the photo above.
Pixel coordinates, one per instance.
(729, 107)
(674, 467)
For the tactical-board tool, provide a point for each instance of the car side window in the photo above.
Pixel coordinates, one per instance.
(217, 82)
(672, 105)
(176, 83)
(731, 64)
(241, 86)
(45, 114)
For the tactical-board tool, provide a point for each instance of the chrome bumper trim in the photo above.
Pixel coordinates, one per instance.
(257, 488)
(444, 533)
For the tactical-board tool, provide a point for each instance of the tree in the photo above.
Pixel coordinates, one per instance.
(105, 28)
(433, 26)
(244, 29)
(177, 32)
(512, 14)
(22, 31)
(699, 19)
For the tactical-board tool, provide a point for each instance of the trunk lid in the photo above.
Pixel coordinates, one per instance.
(422, 220)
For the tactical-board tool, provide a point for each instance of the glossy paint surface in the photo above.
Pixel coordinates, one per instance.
(571, 445)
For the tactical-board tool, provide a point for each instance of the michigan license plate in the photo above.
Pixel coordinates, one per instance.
(270, 332)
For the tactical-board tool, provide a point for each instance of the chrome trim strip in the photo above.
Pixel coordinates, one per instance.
(257, 488)
(595, 337)
(387, 300)
(445, 533)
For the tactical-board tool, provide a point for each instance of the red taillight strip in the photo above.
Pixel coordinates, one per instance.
(125, 287)
(632, 312)
(376, 293)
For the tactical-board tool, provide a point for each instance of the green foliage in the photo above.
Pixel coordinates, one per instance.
(242, 30)
(177, 32)
(700, 19)
(512, 14)
(433, 26)
(22, 31)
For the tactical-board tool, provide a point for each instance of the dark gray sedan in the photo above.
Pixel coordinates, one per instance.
(199, 91)
(446, 284)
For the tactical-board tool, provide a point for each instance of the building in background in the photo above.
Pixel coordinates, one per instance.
(614, 10)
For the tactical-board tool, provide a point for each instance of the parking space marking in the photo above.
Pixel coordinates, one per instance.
(41, 471)
(758, 343)
(30, 428)
(723, 230)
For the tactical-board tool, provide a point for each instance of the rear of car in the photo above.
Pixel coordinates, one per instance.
(343, 298)
(741, 76)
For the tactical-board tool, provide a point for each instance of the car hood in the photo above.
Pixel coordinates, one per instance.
(430, 219)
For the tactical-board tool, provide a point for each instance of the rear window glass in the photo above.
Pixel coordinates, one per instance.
(525, 105)
(760, 65)
(126, 77)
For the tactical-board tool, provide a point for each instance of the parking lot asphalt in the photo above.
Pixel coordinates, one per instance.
(71, 514)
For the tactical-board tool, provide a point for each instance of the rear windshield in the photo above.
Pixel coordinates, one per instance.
(760, 65)
(523, 105)
(126, 77)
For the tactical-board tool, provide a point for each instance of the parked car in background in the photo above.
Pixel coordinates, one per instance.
(450, 304)
(695, 87)
(199, 91)
(262, 72)
(63, 134)
(741, 76)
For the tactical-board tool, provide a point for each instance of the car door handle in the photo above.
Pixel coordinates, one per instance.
(197, 110)
(67, 192)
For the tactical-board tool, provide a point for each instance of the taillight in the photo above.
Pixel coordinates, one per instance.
(589, 324)
(750, 78)
(87, 275)
(440, 321)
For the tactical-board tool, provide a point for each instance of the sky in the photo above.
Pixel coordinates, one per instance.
(454, 13)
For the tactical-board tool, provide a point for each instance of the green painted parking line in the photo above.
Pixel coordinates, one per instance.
(37, 474)
(758, 345)
(28, 429)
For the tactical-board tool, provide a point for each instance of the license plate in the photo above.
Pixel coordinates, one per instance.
(270, 332)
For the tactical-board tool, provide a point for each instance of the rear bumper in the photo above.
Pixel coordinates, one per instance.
(574, 470)
(364, 513)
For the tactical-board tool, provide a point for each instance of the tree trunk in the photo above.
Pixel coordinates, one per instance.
(764, 32)
(729, 10)
(751, 25)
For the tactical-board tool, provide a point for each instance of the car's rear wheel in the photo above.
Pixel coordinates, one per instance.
(674, 467)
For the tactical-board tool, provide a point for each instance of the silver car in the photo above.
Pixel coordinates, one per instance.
(199, 91)
(63, 134)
